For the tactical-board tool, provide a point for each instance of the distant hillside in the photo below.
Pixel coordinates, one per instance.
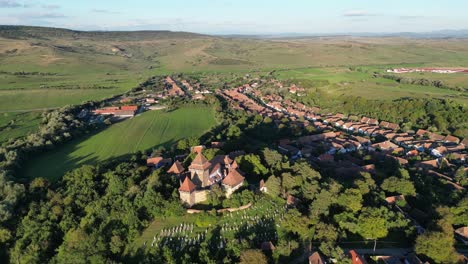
(28, 32)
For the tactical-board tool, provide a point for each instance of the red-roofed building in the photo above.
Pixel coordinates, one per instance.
(151, 162)
(232, 181)
(176, 168)
(129, 108)
(356, 258)
(187, 191)
(316, 258)
(204, 173)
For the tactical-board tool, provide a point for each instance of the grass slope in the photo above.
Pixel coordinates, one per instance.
(149, 130)
(15, 125)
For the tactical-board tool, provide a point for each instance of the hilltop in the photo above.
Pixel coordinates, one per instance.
(30, 32)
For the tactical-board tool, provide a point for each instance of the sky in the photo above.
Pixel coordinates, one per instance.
(241, 16)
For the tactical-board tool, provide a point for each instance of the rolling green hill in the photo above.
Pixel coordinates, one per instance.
(48, 67)
(149, 130)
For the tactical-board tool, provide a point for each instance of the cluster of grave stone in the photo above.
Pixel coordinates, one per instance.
(256, 224)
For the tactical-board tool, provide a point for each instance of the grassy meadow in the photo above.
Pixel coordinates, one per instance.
(15, 125)
(343, 81)
(144, 132)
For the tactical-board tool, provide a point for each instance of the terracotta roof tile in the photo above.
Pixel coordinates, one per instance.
(233, 178)
(187, 185)
(176, 168)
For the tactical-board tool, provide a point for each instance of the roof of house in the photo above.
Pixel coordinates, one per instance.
(233, 178)
(421, 132)
(153, 161)
(316, 258)
(129, 107)
(187, 186)
(176, 168)
(452, 139)
(200, 162)
(394, 199)
(462, 231)
(385, 145)
(198, 149)
(267, 245)
(465, 142)
(356, 258)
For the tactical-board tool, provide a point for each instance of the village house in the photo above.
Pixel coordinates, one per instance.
(316, 258)
(356, 258)
(158, 162)
(385, 146)
(462, 234)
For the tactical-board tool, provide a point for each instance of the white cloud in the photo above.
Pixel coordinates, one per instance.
(357, 13)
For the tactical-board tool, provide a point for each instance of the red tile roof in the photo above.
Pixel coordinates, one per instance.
(316, 258)
(233, 178)
(176, 168)
(153, 161)
(200, 162)
(129, 107)
(462, 231)
(356, 258)
(187, 185)
(452, 139)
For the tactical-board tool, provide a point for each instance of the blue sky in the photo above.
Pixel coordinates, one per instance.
(241, 16)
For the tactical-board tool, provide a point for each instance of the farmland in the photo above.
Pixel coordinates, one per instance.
(150, 130)
(45, 70)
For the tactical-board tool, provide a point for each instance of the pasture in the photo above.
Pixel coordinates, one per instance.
(15, 125)
(343, 81)
(144, 132)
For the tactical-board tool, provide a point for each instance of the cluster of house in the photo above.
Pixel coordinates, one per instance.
(350, 133)
(202, 174)
(172, 89)
(118, 111)
(432, 70)
(299, 91)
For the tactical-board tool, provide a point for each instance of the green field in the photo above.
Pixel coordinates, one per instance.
(343, 81)
(42, 68)
(15, 125)
(149, 130)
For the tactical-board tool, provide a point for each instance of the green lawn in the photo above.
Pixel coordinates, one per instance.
(149, 130)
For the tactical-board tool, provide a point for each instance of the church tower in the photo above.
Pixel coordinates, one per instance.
(199, 170)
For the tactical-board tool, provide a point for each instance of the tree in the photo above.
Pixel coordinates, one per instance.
(325, 232)
(296, 223)
(253, 256)
(80, 247)
(461, 176)
(272, 158)
(251, 164)
(372, 223)
(273, 185)
(460, 212)
(351, 199)
(437, 246)
(396, 185)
